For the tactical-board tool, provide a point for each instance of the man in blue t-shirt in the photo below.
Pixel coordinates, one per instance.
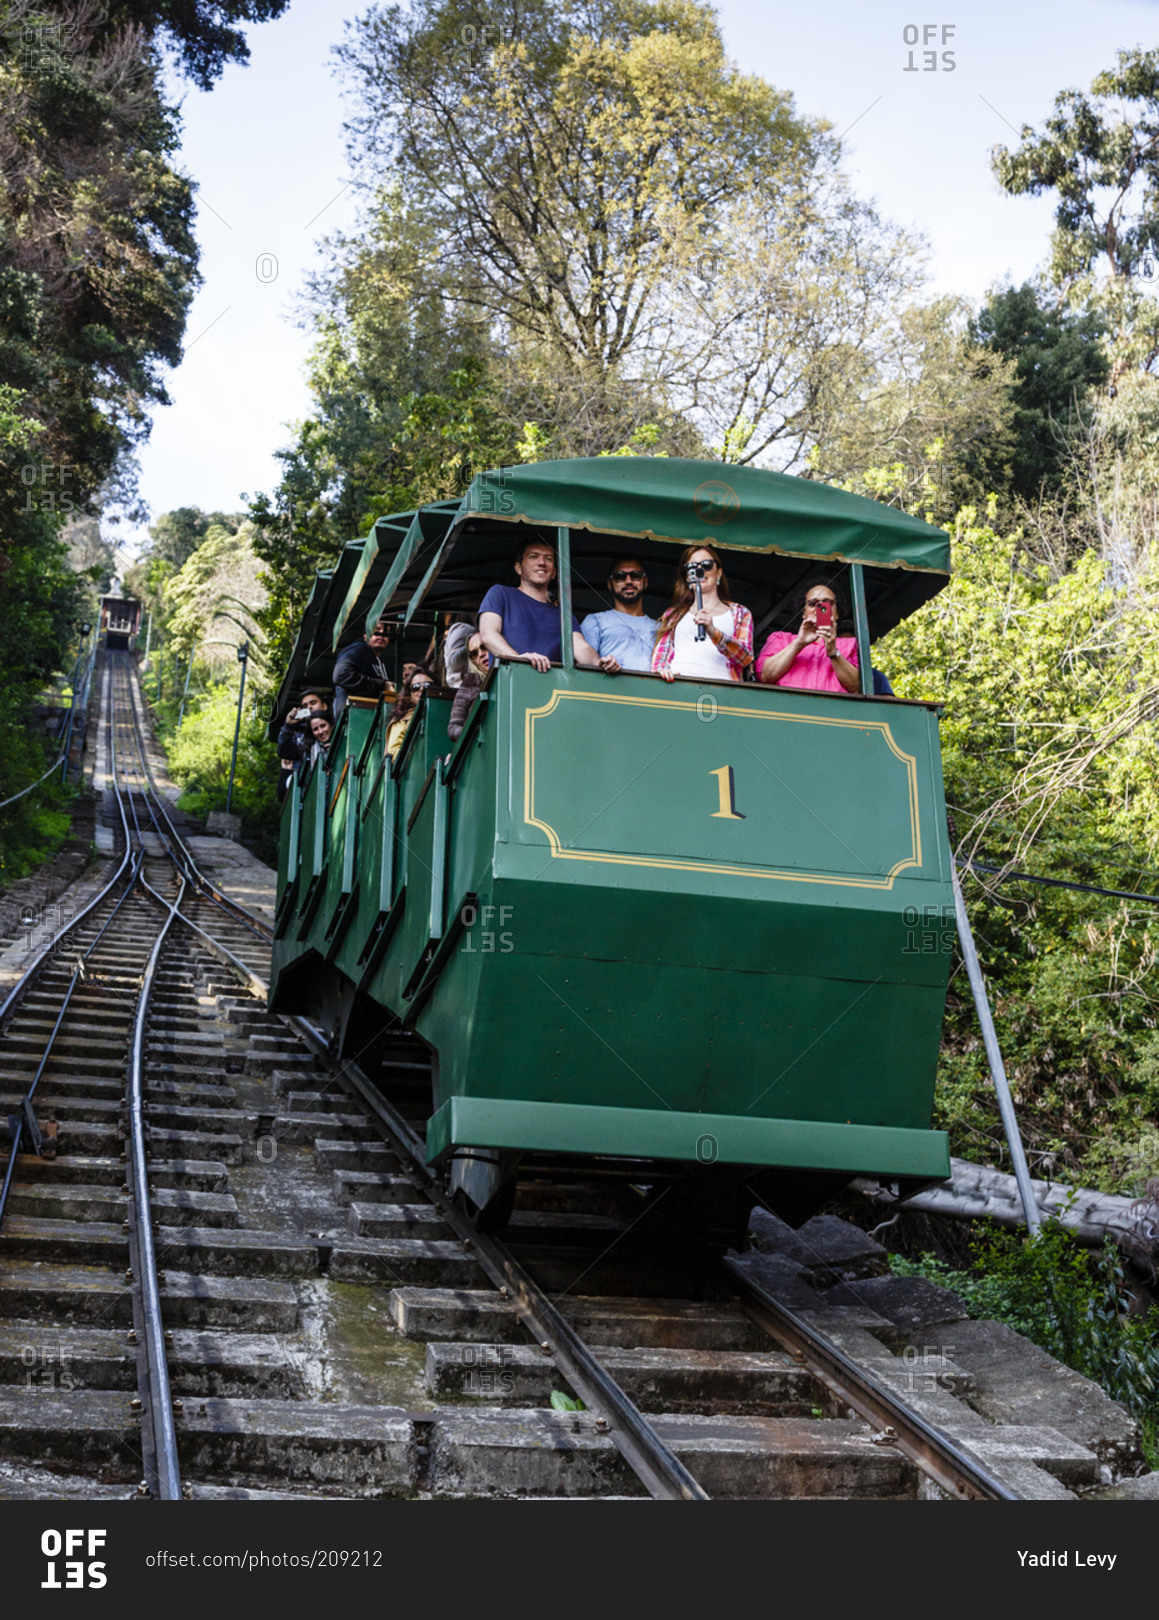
(522, 622)
(624, 630)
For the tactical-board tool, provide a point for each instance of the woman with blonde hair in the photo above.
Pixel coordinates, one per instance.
(406, 708)
(725, 650)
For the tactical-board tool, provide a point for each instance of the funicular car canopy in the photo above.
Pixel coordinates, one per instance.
(669, 498)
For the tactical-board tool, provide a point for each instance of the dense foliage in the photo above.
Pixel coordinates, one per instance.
(97, 268)
(1076, 1306)
(598, 236)
(1049, 680)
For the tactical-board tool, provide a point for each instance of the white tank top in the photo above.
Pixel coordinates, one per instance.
(701, 659)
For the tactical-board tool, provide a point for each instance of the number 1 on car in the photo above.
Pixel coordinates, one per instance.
(727, 786)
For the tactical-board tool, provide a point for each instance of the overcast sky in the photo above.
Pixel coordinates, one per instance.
(266, 150)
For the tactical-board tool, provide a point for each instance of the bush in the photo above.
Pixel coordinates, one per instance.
(199, 757)
(1073, 1304)
(32, 829)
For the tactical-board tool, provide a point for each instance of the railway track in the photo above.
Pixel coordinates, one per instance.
(232, 1275)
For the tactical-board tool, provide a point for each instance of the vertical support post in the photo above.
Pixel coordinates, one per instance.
(861, 626)
(148, 639)
(567, 650)
(71, 713)
(185, 693)
(994, 1057)
(242, 655)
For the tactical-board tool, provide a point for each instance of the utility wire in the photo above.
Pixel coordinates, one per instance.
(1054, 883)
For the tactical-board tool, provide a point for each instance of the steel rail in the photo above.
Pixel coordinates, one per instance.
(187, 863)
(954, 1468)
(159, 1443)
(23, 1122)
(158, 1401)
(637, 1441)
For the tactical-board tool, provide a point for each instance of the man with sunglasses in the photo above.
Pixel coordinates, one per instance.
(360, 669)
(624, 631)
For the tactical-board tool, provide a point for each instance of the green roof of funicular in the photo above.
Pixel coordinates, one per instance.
(669, 498)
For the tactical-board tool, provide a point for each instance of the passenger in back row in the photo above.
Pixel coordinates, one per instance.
(624, 630)
(360, 669)
(523, 622)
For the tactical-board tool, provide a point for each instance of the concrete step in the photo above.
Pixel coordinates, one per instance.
(361, 1450)
(368, 1187)
(397, 1221)
(39, 1356)
(405, 1261)
(200, 1175)
(81, 1202)
(548, 1453)
(332, 1154)
(65, 1294)
(768, 1384)
(482, 1317)
(222, 1251)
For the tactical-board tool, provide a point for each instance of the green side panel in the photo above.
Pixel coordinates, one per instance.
(670, 498)
(710, 1138)
(416, 859)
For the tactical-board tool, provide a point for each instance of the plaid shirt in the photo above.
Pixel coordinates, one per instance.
(737, 648)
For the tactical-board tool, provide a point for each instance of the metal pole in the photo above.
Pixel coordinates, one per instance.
(148, 639)
(71, 713)
(242, 654)
(994, 1057)
(861, 626)
(566, 647)
(185, 693)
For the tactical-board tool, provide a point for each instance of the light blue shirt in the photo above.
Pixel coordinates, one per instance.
(622, 636)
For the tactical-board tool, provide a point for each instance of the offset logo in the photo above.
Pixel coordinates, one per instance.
(79, 1567)
(715, 501)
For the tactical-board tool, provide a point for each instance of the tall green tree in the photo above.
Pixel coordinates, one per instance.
(560, 150)
(1059, 360)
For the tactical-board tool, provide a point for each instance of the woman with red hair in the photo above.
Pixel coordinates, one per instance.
(726, 649)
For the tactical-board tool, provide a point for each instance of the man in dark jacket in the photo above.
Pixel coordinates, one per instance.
(360, 669)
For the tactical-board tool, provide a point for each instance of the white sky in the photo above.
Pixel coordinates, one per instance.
(265, 147)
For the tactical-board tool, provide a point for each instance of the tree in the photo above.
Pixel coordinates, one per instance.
(176, 535)
(919, 406)
(560, 163)
(198, 32)
(1058, 361)
(1100, 154)
(99, 260)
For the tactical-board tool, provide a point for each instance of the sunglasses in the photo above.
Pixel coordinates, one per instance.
(419, 686)
(628, 573)
(479, 652)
